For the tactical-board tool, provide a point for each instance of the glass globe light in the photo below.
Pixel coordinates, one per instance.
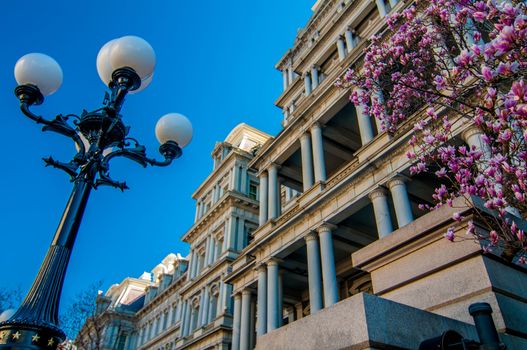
(174, 127)
(103, 62)
(39, 70)
(144, 83)
(134, 52)
(7, 314)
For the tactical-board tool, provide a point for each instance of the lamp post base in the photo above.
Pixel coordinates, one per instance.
(25, 335)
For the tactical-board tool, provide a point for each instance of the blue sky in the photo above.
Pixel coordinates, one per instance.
(215, 64)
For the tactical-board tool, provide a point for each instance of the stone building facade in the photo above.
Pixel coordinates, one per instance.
(184, 302)
(313, 239)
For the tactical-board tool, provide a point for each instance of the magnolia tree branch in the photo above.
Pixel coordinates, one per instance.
(461, 59)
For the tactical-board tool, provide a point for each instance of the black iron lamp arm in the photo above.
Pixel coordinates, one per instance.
(59, 125)
(136, 152)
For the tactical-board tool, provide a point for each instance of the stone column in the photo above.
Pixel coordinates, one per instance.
(307, 161)
(199, 263)
(272, 295)
(280, 298)
(383, 11)
(214, 195)
(401, 202)
(141, 336)
(185, 319)
(243, 181)
(341, 47)
(194, 262)
(285, 111)
(299, 310)
(284, 77)
(217, 249)
(393, 3)
(290, 75)
(382, 212)
(252, 324)
(288, 194)
(232, 233)
(245, 327)
(473, 136)
(220, 308)
(350, 39)
(227, 298)
(190, 263)
(329, 276)
(196, 217)
(264, 191)
(236, 322)
(290, 311)
(201, 207)
(314, 274)
(226, 226)
(262, 300)
(205, 307)
(235, 180)
(307, 84)
(200, 311)
(365, 127)
(318, 153)
(378, 123)
(314, 77)
(279, 197)
(213, 307)
(211, 248)
(274, 195)
(240, 240)
(207, 250)
(179, 310)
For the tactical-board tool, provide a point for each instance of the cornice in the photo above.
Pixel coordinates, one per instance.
(160, 297)
(216, 270)
(228, 200)
(302, 38)
(220, 170)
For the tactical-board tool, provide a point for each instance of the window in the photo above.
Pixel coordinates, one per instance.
(174, 313)
(165, 320)
(253, 190)
(121, 342)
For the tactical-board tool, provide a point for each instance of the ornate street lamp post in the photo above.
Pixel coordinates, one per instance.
(126, 65)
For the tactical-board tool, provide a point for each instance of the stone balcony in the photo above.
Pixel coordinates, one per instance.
(363, 321)
(416, 266)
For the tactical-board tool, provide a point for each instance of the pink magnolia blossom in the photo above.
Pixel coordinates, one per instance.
(480, 81)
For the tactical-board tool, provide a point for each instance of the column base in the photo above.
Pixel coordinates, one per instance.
(29, 334)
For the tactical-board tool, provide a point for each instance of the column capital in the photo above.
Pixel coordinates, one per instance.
(274, 165)
(326, 227)
(237, 295)
(262, 267)
(305, 135)
(396, 180)
(378, 192)
(470, 131)
(312, 235)
(315, 66)
(316, 125)
(247, 291)
(273, 261)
